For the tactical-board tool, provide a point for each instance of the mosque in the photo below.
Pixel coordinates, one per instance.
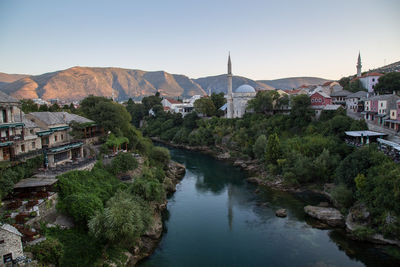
(237, 101)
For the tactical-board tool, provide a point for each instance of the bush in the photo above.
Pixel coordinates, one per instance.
(81, 206)
(343, 196)
(50, 251)
(363, 232)
(259, 147)
(122, 163)
(161, 155)
(148, 189)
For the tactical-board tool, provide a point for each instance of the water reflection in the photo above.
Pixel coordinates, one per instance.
(216, 219)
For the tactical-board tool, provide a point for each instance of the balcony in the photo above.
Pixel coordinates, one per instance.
(15, 137)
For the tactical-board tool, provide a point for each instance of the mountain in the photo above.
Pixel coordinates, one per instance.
(9, 78)
(219, 83)
(294, 82)
(78, 82)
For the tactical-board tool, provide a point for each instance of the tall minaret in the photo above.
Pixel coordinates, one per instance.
(229, 114)
(359, 65)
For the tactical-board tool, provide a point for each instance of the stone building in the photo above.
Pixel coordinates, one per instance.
(10, 244)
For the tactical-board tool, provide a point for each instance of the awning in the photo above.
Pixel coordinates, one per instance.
(393, 121)
(64, 147)
(59, 128)
(364, 133)
(44, 133)
(389, 143)
(4, 144)
(11, 125)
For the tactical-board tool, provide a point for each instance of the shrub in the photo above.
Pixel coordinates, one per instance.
(122, 163)
(50, 251)
(343, 196)
(161, 155)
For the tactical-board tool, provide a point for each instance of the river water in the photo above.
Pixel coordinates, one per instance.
(216, 219)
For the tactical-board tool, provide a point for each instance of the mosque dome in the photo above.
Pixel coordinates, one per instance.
(245, 88)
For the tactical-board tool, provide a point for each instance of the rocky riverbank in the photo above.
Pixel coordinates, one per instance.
(330, 216)
(149, 241)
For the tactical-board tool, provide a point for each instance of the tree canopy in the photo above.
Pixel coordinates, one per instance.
(388, 83)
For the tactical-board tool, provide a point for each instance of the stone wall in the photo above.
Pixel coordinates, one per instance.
(12, 244)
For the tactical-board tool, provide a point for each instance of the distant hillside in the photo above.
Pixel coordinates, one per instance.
(219, 83)
(78, 82)
(294, 82)
(9, 78)
(388, 68)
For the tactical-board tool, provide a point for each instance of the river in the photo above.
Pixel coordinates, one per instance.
(215, 218)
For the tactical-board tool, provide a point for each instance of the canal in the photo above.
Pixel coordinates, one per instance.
(215, 218)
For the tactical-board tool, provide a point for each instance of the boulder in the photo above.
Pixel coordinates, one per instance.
(281, 213)
(254, 180)
(330, 216)
(224, 156)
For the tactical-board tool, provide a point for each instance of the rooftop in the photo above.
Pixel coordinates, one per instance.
(341, 93)
(10, 228)
(359, 94)
(53, 118)
(364, 133)
(4, 98)
(35, 182)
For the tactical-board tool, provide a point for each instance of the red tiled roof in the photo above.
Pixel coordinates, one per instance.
(304, 86)
(327, 83)
(292, 92)
(173, 101)
(372, 74)
(167, 108)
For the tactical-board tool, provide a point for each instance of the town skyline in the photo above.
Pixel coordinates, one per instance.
(266, 40)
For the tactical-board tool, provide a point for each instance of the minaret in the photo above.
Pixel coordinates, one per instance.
(229, 114)
(359, 65)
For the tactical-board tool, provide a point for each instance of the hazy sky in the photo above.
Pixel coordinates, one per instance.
(267, 39)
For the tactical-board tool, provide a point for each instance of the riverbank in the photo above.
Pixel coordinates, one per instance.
(357, 229)
(150, 240)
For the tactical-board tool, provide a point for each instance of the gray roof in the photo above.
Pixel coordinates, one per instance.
(341, 93)
(359, 94)
(35, 182)
(332, 107)
(4, 98)
(52, 118)
(385, 97)
(10, 228)
(364, 133)
(29, 123)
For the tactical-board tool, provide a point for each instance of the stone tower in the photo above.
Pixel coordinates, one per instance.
(229, 99)
(359, 65)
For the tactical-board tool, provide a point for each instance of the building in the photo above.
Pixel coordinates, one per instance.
(56, 142)
(237, 101)
(369, 80)
(10, 244)
(339, 97)
(31, 144)
(175, 106)
(319, 100)
(10, 129)
(355, 101)
(378, 108)
(394, 116)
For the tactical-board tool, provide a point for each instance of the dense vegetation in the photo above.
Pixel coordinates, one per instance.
(299, 149)
(10, 175)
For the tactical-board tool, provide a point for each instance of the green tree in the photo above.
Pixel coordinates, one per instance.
(123, 221)
(49, 251)
(355, 86)
(43, 108)
(137, 111)
(27, 106)
(301, 112)
(260, 146)
(264, 101)
(388, 83)
(273, 151)
(205, 106)
(81, 206)
(150, 102)
(218, 100)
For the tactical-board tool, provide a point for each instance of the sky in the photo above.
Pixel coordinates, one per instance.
(266, 39)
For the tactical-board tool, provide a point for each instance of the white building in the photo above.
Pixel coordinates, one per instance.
(369, 80)
(172, 105)
(353, 101)
(237, 101)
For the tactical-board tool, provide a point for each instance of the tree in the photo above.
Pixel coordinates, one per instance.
(355, 86)
(49, 251)
(205, 106)
(344, 82)
(54, 108)
(218, 100)
(81, 206)
(260, 146)
(150, 102)
(264, 102)
(27, 106)
(388, 83)
(273, 151)
(123, 221)
(137, 112)
(301, 112)
(43, 108)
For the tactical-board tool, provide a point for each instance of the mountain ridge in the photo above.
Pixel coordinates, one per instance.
(78, 82)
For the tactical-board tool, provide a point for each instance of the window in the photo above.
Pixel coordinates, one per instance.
(33, 145)
(55, 138)
(1, 241)
(373, 79)
(31, 131)
(7, 258)
(23, 148)
(382, 104)
(62, 137)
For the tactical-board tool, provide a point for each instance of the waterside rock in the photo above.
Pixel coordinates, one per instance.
(330, 216)
(281, 213)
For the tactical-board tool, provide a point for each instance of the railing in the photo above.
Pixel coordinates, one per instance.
(15, 137)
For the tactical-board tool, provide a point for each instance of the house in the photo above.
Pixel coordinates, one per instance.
(394, 116)
(377, 108)
(331, 87)
(339, 97)
(31, 144)
(175, 106)
(297, 92)
(56, 142)
(318, 101)
(10, 129)
(369, 80)
(355, 101)
(10, 244)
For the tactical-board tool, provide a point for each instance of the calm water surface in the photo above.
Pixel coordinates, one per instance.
(216, 219)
